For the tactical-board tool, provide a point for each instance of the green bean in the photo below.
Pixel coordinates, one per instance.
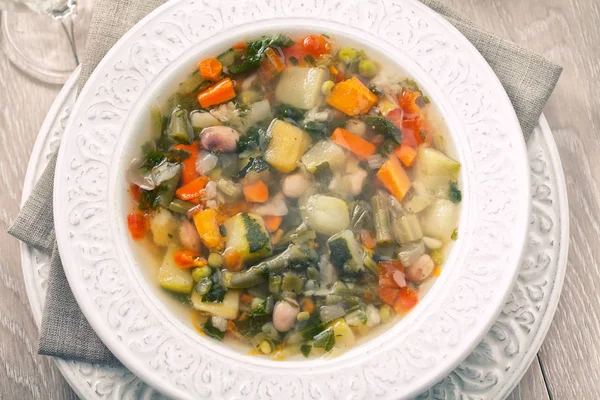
(180, 127)
(259, 273)
(383, 227)
(312, 273)
(229, 188)
(292, 283)
(180, 206)
(167, 192)
(274, 284)
(157, 120)
(370, 264)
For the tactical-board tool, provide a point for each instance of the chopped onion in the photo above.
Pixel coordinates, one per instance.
(276, 207)
(329, 313)
(373, 317)
(165, 171)
(210, 191)
(375, 161)
(135, 176)
(389, 95)
(206, 162)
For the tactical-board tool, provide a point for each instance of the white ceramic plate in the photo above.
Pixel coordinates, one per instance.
(166, 352)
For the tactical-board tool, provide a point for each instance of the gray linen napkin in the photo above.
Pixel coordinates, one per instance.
(528, 79)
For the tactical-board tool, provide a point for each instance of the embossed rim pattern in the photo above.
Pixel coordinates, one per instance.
(95, 382)
(439, 336)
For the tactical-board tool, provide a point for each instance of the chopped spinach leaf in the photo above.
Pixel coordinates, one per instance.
(325, 340)
(305, 348)
(255, 164)
(216, 292)
(251, 323)
(178, 155)
(286, 111)
(257, 239)
(384, 126)
(317, 130)
(455, 193)
(148, 199)
(255, 51)
(212, 331)
(249, 141)
(153, 158)
(310, 327)
(323, 173)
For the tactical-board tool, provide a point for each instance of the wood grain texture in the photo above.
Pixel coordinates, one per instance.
(24, 374)
(565, 31)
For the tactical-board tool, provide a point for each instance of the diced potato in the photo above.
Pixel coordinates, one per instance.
(344, 337)
(288, 144)
(301, 87)
(163, 226)
(247, 234)
(201, 120)
(259, 111)
(326, 215)
(323, 152)
(431, 162)
(352, 97)
(440, 219)
(173, 278)
(228, 309)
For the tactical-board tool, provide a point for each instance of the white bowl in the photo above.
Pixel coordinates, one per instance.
(140, 328)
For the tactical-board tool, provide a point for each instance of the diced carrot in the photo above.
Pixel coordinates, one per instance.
(352, 97)
(336, 74)
(272, 222)
(185, 258)
(219, 93)
(246, 298)
(272, 64)
(240, 46)
(189, 172)
(394, 178)
(232, 260)
(436, 271)
(357, 145)
(256, 192)
(308, 305)
(277, 235)
(192, 190)
(406, 154)
(210, 69)
(406, 300)
(135, 191)
(408, 102)
(208, 229)
(316, 45)
(138, 225)
(367, 239)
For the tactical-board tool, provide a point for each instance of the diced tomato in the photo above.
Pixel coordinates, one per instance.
(185, 258)
(316, 45)
(407, 299)
(408, 103)
(138, 225)
(297, 51)
(135, 191)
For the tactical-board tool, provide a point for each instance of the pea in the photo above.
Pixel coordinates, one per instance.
(265, 347)
(215, 260)
(347, 55)
(200, 273)
(303, 316)
(367, 68)
(327, 87)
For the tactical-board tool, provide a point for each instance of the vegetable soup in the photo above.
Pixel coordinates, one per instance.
(294, 197)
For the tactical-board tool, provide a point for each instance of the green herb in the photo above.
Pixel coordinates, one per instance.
(310, 60)
(340, 252)
(293, 60)
(153, 158)
(212, 331)
(285, 111)
(255, 164)
(387, 147)
(384, 126)
(255, 51)
(178, 155)
(251, 323)
(455, 193)
(325, 340)
(376, 91)
(148, 199)
(317, 130)
(454, 235)
(305, 349)
(216, 292)
(249, 141)
(257, 239)
(410, 85)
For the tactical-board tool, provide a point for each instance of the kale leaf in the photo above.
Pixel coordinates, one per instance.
(212, 331)
(255, 164)
(255, 51)
(384, 126)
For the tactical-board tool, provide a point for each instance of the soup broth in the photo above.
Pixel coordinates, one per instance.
(293, 197)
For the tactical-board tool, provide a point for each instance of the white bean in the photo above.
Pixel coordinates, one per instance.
(295, 185)
(432, 243)
(188, 236)
(219, 138)
(420, 270)
(219, 322)
(285, 314)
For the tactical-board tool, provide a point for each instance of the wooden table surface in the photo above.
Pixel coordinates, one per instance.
(565, 31)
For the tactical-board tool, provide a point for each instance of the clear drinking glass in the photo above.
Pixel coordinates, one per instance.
(44, 38)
